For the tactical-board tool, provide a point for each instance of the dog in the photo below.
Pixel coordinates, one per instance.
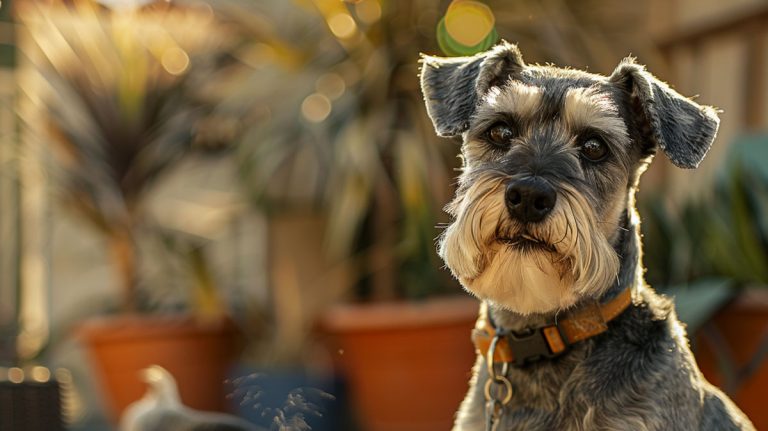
(545, 233)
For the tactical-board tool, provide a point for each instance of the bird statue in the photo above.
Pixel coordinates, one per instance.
(161, 409)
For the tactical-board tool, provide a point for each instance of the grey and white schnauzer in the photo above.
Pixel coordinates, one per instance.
(546, 235)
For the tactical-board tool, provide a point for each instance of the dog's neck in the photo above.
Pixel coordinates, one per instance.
(628, 247)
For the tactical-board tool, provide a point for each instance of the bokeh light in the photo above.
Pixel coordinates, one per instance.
(15, 375)
(342, 25)
(467, 28)
(469, 22)
(41, 374)
(368, 11)
(175, 61)
(316, 107)
(331, 85)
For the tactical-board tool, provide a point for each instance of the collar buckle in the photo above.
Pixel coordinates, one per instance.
(536, 344)
(550, 341)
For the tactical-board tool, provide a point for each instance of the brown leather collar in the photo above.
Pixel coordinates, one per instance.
(551, 340)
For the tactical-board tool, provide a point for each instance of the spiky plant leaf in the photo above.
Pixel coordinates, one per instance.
(121, 95)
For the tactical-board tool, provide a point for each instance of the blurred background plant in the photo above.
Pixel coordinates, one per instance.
(342, 147)
(115, 102)
(346, 138)
(121, 107)
(723, 233)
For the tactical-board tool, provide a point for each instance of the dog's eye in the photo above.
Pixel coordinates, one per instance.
(594, 149)
(500, 135)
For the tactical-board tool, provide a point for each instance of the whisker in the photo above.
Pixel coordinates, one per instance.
(617, 227)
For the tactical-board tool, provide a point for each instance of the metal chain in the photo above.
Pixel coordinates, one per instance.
(498, 388)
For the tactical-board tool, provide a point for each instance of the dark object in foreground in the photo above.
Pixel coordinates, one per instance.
(29, 405)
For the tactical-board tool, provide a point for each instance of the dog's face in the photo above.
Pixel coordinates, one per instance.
(551, 160)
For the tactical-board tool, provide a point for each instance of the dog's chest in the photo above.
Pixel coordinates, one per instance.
(541, 390)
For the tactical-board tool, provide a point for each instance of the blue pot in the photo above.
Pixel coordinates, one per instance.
(289, 397)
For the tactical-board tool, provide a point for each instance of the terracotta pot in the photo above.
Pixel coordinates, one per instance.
(198, 355)
(743, 324)
(407, 364)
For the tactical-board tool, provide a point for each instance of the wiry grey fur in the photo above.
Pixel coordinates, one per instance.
(640, 374)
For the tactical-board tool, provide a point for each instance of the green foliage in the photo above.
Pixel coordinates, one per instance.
(735, 239)
(723, 234)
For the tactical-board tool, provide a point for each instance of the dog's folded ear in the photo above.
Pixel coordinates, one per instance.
(452, 87)
(683, 129)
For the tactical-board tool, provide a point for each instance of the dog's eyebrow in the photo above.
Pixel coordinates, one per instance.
(515, 97)
(588, 107)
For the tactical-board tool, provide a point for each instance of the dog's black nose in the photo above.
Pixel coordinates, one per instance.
(529, 200)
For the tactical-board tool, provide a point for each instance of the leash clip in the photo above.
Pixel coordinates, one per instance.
(498, 388)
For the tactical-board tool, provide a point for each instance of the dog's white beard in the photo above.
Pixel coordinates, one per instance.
(580, 263)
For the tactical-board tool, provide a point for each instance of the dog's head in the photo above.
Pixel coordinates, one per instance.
(551, 161)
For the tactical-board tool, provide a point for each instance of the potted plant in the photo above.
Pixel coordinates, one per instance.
(122, 98)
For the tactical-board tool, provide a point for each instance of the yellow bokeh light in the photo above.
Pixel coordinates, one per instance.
(342, 25)
(331, 85)
(369, 11)
(316, 108)
(175, 61)
(41, 374)
(15, 375)
(468, 22)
